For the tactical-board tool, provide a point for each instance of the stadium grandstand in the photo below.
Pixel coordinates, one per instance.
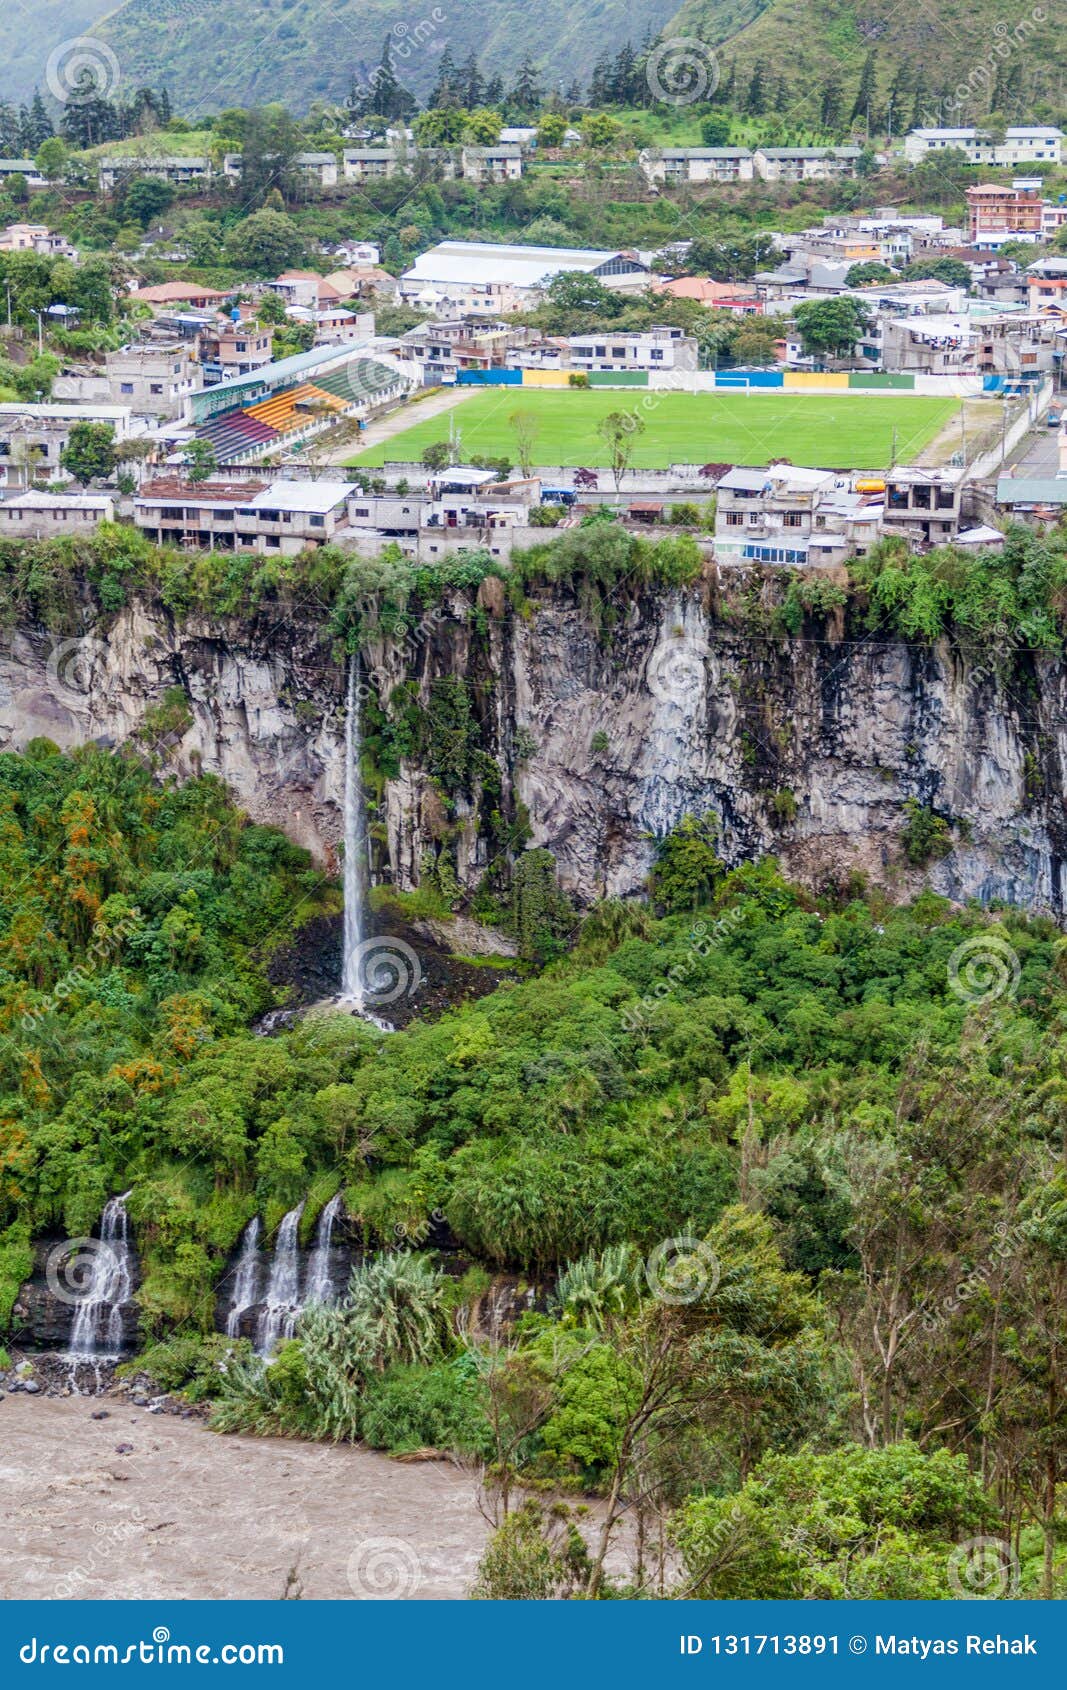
(282, 404)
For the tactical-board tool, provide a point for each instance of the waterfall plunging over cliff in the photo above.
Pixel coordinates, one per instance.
(246, 1278)
(283, 1288)
(319, 1287)
(97, 1324)
(355, 847)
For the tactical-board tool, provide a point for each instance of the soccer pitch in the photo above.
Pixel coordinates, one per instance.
(851, 430)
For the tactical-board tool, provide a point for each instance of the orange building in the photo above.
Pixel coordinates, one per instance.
(1003, 212)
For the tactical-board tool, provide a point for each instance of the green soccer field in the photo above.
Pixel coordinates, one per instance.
(828, 431)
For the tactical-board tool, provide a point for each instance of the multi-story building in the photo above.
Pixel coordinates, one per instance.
(33, 437)
(997, 214)
(805, 164)
(1047, 284)
(153, 379)
(673, 165)
(1021, 147)
(369, 164)
(180, 172)
(923, 504)
(35, 237)
(248, 516)
(237, 349)
(500, 163)
(653, 349)
(789, 515)
(22, 167)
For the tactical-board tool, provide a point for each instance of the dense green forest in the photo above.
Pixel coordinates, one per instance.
(802, 1156)
(778, 1176)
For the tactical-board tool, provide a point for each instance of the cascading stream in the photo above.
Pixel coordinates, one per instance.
(319, 1287)
(98, 1318)
(355, 821)
(246, 1277)
(282, 1303)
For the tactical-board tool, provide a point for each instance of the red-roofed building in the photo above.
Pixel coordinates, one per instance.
(179, 293)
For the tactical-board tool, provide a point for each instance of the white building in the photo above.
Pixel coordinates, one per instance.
(502, 163)
(475, 276)
(39, 515)
(1021, 147)
(697, 164)
(181, 172)
(33, 437)
(153, 379)
(805, 164)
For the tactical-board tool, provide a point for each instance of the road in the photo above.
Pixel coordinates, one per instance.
(395, 422)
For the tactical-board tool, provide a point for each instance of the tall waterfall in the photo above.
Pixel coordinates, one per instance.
(246, 1278)
(97, 1325)
(355, 849)
(282, 1302)
(319, 1287)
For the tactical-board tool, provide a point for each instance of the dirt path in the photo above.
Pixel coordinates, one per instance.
(395, 422)
(185, 1513)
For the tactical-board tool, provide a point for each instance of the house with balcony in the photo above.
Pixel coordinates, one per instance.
(179, 172)
(663, 348)
(675, 165)
(247, 516)
(319, 168)
(806, 164)
(996, 214)
(369, 164)
(794, 516)
(923, 505)
(35, 237)
(500, 163)
(236, 349)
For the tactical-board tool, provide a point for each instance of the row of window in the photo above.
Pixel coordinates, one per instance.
(179, 513)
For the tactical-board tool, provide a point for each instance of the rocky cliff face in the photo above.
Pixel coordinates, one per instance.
(805, 747)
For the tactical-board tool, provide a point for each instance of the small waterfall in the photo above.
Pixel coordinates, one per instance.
(282, 1304)
(97, 1325)
(355, 849)
(246, 1278)
(319, 1287)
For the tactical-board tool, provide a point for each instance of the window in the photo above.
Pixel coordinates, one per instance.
(735, 519)
(317, 521)
(600, 351)
(618, 352)
(793, 519)
(273, 542)
(125, 386)
(155, 387)
(656, 353)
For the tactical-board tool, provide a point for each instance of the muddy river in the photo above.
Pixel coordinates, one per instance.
(142, 1506)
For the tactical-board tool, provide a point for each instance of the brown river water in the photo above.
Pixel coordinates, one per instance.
(151, 1506)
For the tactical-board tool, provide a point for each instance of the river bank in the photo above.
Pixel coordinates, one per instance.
(140, 1506)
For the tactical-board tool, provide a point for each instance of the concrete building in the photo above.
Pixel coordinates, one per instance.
(320, 168)
(22, 167)
(32, 438)
(152, 379)
(673, 165)
(237, 349)
(923, 505)
(654, 349)
(501, 163)
(793, 516)
(249, 516)
(369, 164)
(180, 172)
(457, 277)
(998, 214)
(1021, 147)
(39, 515)
(805, 164)
(35, 237)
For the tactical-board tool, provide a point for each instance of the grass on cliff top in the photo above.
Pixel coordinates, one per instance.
(828, 431)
